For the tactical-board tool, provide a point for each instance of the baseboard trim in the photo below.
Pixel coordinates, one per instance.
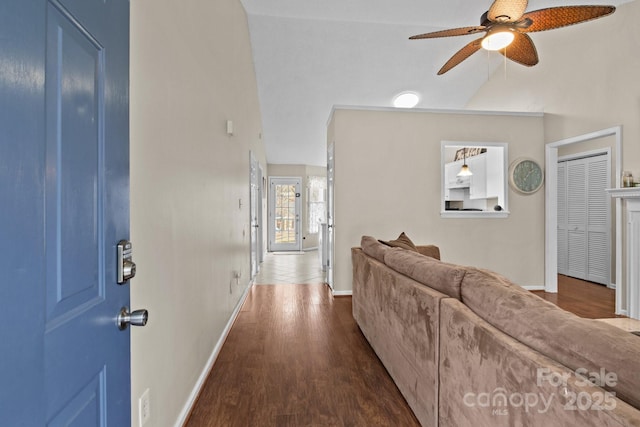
(188, 406)
(534, 287)
(341, 293)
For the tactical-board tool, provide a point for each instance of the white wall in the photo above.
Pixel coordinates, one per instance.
(388, 180)
(191, 70)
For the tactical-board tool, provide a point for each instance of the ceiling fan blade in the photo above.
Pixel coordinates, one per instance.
(461, 55)
(562, 16)
(449, 33)
(521, 50)
(507, 10)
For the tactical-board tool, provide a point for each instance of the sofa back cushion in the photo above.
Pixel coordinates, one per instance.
(441, 276)
(374, 248)
(586, 344)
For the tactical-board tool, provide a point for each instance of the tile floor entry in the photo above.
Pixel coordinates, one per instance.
(280, 268)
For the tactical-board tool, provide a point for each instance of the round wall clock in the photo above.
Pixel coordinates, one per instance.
(525, 176)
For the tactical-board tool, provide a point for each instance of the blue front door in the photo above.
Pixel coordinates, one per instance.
(64, 205)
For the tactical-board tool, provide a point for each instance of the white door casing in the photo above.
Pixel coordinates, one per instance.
(330, 213)
(254, 222)
(551, 211)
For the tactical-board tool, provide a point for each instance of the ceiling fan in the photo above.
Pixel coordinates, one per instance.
(506, 25)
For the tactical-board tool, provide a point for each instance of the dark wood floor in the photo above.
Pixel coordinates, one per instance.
(585, 299)
(295, 357)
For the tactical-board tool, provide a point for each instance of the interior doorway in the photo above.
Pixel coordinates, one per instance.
(551, 208)
(284, 214)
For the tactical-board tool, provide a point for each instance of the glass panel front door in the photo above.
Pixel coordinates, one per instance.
(284, 214)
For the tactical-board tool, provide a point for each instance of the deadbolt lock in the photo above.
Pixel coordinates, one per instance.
(126, 266)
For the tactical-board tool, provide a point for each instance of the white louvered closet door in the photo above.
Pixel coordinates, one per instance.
(584, 219)
(598, 221)
(576, 219)
(562, 219)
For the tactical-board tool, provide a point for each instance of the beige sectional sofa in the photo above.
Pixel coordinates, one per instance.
(466, 347)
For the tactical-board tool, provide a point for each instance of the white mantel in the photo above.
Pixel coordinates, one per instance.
(624, 193)
(631, 196)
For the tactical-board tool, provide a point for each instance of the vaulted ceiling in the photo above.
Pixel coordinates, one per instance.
(312, 55)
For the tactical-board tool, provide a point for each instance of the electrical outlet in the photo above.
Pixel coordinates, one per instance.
(144, 407)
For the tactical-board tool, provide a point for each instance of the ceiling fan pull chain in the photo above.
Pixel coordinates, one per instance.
(505, 63)
(488, 66)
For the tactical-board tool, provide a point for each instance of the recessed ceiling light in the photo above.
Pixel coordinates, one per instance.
(406, 100)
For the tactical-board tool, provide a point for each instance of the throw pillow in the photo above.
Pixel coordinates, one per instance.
(403, 241)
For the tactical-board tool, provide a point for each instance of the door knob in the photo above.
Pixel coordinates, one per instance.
(135, 318)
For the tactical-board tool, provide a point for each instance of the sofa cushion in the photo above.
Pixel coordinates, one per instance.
(403, 241)
(489, 379)
(575, 342)
(374, 248)
(441, 276)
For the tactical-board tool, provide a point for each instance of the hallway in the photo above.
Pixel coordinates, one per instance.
(295, 357)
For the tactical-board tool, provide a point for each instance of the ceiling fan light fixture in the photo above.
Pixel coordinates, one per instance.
(497, 40)
(406, 100)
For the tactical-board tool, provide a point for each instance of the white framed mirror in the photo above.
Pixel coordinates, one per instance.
(474, 179)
